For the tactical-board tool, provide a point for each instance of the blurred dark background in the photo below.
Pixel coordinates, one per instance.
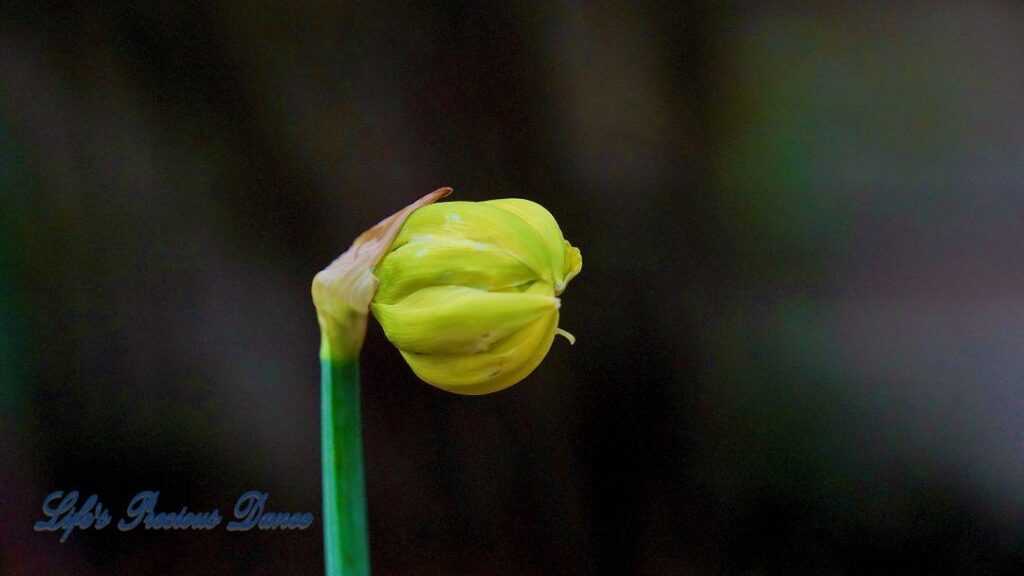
(800, 317)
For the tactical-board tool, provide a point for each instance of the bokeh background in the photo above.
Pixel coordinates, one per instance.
(800, 317)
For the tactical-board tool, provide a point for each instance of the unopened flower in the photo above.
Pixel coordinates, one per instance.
(469, 294)
(468, 291)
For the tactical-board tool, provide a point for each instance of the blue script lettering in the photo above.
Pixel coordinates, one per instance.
(142, 509)
(65, 516)
(250, 512)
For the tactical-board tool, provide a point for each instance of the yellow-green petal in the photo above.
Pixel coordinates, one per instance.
(460, 320)
(479, 222)
(573, 265)
(447, 261)
(543, 223)
(508, 362)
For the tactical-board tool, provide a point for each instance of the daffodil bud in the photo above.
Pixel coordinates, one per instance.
(468, 291)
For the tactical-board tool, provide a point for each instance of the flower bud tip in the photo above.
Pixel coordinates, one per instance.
(567, 335)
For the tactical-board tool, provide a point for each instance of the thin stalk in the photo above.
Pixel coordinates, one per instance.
(346, 546)
(342, 293)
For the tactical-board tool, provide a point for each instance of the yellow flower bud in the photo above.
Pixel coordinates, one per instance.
(468, 291)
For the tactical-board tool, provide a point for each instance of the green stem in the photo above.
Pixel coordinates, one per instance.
(346, 548)
(342, 293)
